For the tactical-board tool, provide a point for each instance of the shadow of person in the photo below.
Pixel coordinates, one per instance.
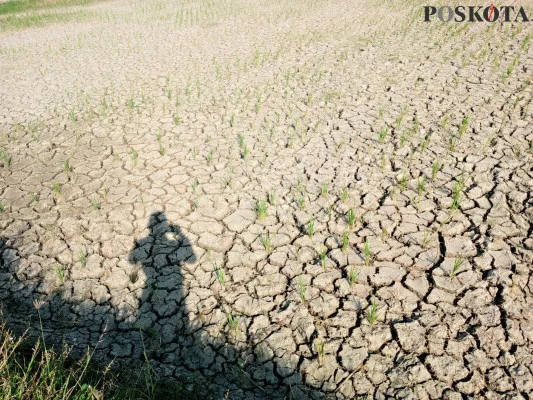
(158, 259)
(183, 341)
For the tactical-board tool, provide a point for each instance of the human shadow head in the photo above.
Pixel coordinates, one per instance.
(165, 245)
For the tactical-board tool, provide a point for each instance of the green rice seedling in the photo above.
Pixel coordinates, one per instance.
(366, 252)
(82, 257)
(437, 165)
(525, 43)
(220, 276)
(324, 190)
(228, 182)
(425, 143)
(345, 241)
(457, 190)
(399, 120)
(510, 69)
(72, 116)
(421, 185)
(302, 289)
(311, 228)
(245, 152)
(60, 272)
(353, 275)
(2, 208)
(240, 138)
(381, 112)
(198, 88)
(96, 203)
(372, 313)
(169, 94)
(320, 352)
(232, 122)
(384, 234)
(382, 135)
(5, 158)
(426, 239)
(130, 102)
(323, 257)
(350, 216)
(56, 188)
(233, 323)
(344, 194)
(452, 143)
(458, 262)
(516, 150)
(403, 138)
(403, 183)
(300, 186)
(194, 186)
(267, 242)
(445, 120)
(271, 197)
(261, 209)
(134, 157)
(301, 202)
(34, 197)
(464, 126)
(210, 157)
(176, 119)
(383, 161)
(67, 168)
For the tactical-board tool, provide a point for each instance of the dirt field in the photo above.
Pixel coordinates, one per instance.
(304, 199)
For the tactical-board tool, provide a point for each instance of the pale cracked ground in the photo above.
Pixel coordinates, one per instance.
(176, 121)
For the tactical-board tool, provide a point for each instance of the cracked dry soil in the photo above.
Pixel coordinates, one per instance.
(317, 199)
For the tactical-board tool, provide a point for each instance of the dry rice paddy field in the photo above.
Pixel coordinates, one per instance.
(305, 199)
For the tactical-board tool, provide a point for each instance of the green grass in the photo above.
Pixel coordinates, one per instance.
(220, 276)
(96, 203)
(350, 216)
(311, 228)
(267, 242)
(353, 275)
(372, 312)
(233, 323)
(31, 370)
(320, 352)
(345, 241)
(458, 262)
(40, 18)
(82, 257)
(324, 190)
(17, 6)
(367, 252)
(301, 202)
(382, 135)
(261, 209)
(302, 290)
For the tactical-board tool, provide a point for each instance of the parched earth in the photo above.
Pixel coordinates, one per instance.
(321, 199)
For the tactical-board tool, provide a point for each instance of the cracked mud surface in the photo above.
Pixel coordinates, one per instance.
(140, 141)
